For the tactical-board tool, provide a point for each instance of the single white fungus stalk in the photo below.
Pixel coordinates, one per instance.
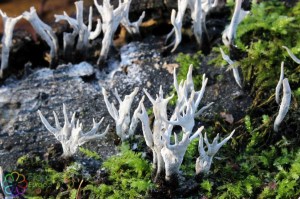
(292, 55)
(230, 31)
(176, 21)
(1, 178)
(234, 68)
(196, 15)
(135, 119)
(94, 34)
(279, 84)
(83, 35)
(285, 104)
(71, 135)
(218, 3)
(9, 24)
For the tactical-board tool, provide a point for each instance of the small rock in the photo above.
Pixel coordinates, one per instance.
(81, 69)
(149, 84)
(44, 73)
(156, 65)
(227, 117)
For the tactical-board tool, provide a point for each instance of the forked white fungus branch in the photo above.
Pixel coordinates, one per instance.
(125, 125)
(173, 153)
(204, 161)
(131, 27)
(154, 137)
(199, 9)
(168, 156)
(83, 32)
(45, 31)
(68, 38)
(185, 89)
(71, 135)
(111, 19)
(9, 24)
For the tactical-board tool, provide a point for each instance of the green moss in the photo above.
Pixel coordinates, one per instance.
(248, 124)
(256, 136)
(241, 188)
(220, 77)
(43, 181)
(262, 35)
(149, 111)
(185, 60)
(129, 176)
(21, 160)
(73, 194)
(297, 94)
(99, 191)
(188, 164)
(218, 60)
(89, 153)
(72, 175)
(286, 183)
(207, 186)
(270, 172)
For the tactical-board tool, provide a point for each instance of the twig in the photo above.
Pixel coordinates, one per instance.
(78, 190)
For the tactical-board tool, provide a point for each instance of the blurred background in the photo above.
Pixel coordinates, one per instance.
(45, 8)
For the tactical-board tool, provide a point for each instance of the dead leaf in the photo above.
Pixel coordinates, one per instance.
(227, 117)
(170, 67)
(47, 57)
(272, 185)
